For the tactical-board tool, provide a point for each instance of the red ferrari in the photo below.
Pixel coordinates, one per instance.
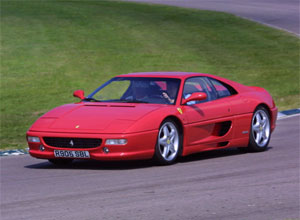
(161, 115)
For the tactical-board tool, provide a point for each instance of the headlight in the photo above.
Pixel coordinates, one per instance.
(116, 142)
(33, 139)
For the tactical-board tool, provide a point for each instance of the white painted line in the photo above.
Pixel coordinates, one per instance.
(288, 116)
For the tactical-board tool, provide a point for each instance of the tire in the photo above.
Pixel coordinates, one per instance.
(61, 162)
(260, 132)
(169, 143)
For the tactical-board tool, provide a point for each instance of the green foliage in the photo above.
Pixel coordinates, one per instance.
(51, 48)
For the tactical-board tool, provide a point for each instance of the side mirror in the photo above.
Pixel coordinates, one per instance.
(79, 94)
(197, 96)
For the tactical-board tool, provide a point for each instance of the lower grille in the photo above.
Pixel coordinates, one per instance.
(62, 142)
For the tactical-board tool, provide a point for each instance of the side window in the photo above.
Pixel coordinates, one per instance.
(197, 84)
(222, 89)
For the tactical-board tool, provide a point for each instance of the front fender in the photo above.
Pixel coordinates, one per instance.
(152, 120)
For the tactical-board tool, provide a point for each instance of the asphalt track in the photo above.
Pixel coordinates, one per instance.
(282, 14)
(224, 184)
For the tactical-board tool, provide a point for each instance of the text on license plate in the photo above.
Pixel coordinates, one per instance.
(71, 154)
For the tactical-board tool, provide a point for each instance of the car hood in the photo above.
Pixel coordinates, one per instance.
(92, 118)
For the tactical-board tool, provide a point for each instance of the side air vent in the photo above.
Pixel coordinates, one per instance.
(225, 126)
(222, 128)
(223, 144)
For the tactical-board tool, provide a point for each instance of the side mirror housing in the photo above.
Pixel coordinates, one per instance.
(197, 96)
(79, 94)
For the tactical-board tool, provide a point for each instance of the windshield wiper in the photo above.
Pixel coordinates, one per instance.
(91, 99)
(133, 101)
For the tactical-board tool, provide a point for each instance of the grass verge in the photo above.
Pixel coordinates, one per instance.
(50, 48)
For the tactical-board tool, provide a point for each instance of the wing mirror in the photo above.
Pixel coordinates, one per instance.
(196, 96)
(79, 94)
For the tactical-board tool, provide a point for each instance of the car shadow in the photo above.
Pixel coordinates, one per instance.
(138, 164)
(215, 154)
(95, 165)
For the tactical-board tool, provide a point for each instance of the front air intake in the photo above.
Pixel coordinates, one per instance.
(62, 142)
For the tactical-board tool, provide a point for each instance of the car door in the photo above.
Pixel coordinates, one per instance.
(208, 121)
(239, 108)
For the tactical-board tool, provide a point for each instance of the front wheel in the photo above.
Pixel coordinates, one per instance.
(169, 143)
(260, 130)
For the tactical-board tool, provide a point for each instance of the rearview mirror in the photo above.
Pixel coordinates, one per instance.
(196, 96)
(79, 94)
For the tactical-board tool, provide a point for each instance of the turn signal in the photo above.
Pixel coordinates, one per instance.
(116, 142)
(33, 139)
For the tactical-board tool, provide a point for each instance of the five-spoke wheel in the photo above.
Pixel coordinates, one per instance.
(260, 130)
(168, 145)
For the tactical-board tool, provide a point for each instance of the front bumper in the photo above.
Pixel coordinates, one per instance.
(139, 146)
(274, 112)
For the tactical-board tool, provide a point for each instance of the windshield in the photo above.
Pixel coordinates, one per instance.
(137, 90)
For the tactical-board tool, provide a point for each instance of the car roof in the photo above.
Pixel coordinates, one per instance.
(180, 75)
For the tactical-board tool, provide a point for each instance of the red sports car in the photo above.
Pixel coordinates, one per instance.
(161, 115)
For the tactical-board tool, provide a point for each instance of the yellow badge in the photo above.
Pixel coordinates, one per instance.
(179, 110)
(77, 126)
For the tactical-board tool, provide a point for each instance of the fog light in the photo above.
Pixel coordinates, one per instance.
(42, 148)
(116, 142)
(33, 139)
(105, 150)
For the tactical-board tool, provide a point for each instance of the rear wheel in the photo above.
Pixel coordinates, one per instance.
(169, 143)
(61, 162)
(260, 133)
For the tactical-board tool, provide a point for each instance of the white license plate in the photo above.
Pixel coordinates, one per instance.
(71, 154)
